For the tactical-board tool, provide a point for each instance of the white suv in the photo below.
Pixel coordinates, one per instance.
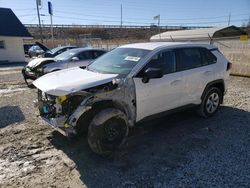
(130, 84)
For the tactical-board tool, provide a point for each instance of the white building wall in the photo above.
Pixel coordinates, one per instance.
(13, 51)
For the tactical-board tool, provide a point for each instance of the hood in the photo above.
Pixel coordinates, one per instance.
(37, 61)
(68, 81)
(44, 48)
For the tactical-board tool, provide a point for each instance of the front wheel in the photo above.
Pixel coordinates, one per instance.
(107, 131)
(211, 102)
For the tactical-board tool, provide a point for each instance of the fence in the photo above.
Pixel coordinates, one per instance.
(113, 26)
(237, 52)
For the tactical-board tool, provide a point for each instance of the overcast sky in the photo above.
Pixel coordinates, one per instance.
(135, 12)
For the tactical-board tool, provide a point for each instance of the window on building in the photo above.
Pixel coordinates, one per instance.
(2, 46)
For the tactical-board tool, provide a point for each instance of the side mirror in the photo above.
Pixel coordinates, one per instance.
(75, 59)
(151, 73)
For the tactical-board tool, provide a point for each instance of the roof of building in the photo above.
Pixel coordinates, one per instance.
(214, 33)
(10, 25)
(154, 45)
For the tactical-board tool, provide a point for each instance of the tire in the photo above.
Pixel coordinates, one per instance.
(107, 131)
(211, 102)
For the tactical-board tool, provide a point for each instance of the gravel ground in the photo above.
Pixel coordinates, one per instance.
(181, 150)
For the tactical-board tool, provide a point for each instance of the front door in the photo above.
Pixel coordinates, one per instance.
(160, 94)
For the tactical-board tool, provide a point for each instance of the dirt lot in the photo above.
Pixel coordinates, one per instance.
(181, 150)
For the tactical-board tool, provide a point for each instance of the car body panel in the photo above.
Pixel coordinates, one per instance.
(158, 95)
(68, 81)
(37, 61)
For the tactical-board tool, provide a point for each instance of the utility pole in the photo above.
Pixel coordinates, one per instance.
(121, 15)
(38, 14)
(158, 17)
(229, 18)
(52, 32)
(50, 9)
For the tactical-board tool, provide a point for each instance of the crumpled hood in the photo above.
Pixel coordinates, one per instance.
(71, 80)
(37, 61)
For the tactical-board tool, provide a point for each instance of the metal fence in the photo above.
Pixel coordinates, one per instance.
(112, 26)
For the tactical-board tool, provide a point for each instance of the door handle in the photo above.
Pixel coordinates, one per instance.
(175, 82)
(208, 73)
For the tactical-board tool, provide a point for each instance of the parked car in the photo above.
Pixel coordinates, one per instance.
(40, 50)
(55, 51)
(130, 84)
(26, 48)
(71, 58)
(35, 51)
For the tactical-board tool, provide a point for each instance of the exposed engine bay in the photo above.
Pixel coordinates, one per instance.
(65, 112)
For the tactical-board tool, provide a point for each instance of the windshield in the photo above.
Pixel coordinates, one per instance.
(55, 49)
(67, 54)
(118, 61)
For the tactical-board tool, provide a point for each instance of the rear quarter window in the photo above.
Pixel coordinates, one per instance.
(208, 57)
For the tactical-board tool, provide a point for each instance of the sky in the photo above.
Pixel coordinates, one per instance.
(134, 12)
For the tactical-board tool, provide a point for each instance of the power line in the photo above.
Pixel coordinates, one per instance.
(147, 23)
(26, 15)
(130, 18)
(23, 9)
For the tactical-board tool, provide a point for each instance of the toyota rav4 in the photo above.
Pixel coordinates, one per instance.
(130, 84)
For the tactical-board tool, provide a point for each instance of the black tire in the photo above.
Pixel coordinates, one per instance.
(107, 131)
(210, 102)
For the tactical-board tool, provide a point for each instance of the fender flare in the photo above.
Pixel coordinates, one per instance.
(215, 82)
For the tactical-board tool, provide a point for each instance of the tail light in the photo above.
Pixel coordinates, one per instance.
(229, 66)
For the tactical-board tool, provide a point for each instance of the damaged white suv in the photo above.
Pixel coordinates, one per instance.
(130, 84)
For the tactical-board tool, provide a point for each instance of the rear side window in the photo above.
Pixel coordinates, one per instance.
(208, 57)
(189, 58)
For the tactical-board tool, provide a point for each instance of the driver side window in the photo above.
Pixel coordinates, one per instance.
(164, 60)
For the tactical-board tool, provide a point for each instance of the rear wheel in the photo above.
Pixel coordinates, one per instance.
(107, 131)
(211, 102)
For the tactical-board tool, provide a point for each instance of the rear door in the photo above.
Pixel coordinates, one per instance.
(197, 66)
(158, 94)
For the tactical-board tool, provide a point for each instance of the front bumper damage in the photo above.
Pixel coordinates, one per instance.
(64, 112)
(52, 111)
(28, 74)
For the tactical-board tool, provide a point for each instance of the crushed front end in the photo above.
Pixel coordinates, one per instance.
(31, 74)
(56, 110)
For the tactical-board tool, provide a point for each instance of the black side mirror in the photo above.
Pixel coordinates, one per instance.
(151, 73)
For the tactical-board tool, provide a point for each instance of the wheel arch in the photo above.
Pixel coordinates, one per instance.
(85, 119)
(216, 83)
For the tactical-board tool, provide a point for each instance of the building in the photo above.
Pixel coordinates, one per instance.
(12, 34)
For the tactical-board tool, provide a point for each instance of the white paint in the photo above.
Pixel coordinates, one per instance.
(13, 51)
(154, 45)
(158, 95)
(37, 61)
(71, 80)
